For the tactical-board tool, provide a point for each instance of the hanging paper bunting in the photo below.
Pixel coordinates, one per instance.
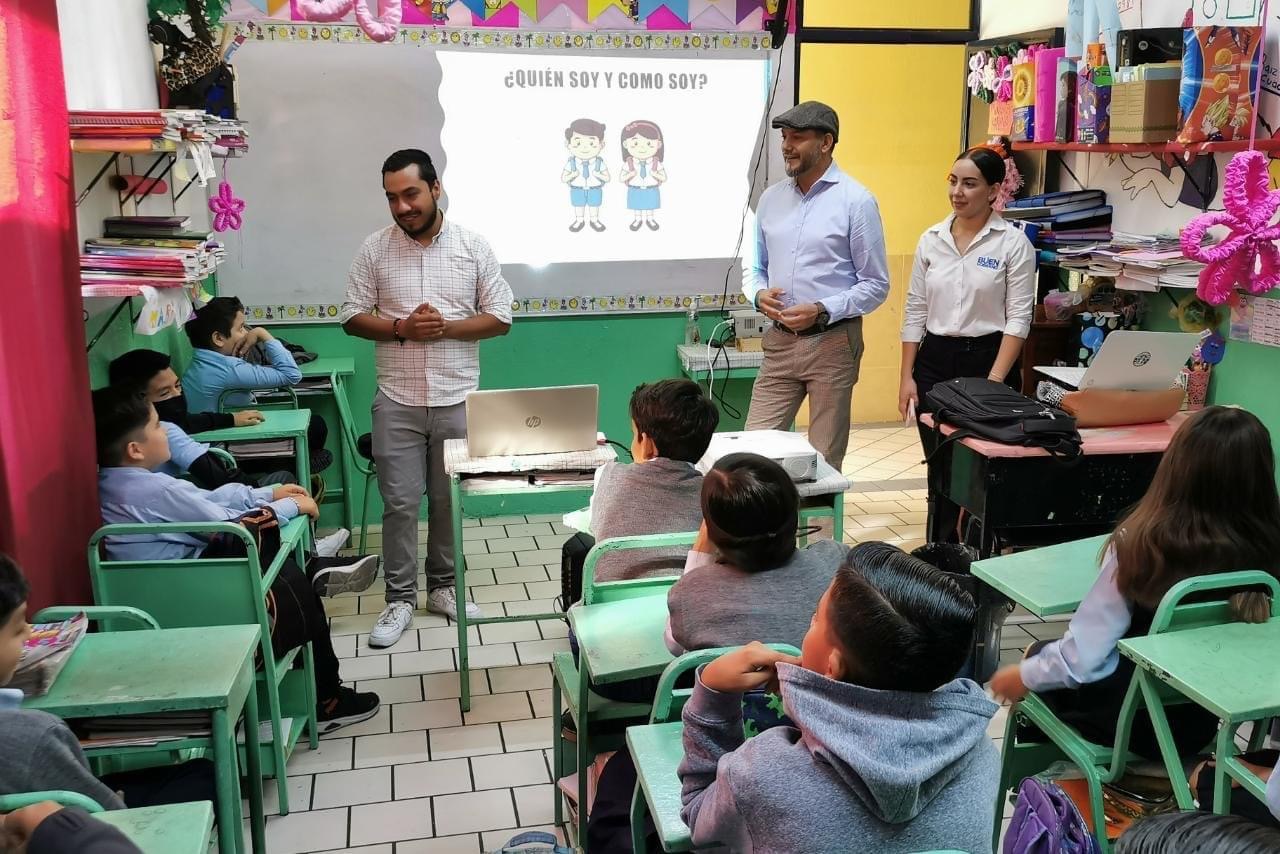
(679, 8)
(477, 7)
(746, 7)
(528, 7)
(595, 7)
(665, 19)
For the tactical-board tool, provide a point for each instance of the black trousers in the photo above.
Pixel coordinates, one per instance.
(300, 617)
(166, 784)
(941, 358)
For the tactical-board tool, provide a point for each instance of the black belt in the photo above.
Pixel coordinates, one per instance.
(813, 330)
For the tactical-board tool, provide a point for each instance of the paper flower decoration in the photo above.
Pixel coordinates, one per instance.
(1248, 257)
(977, 62)
(1195, 315)
(381, 28)
(226, 209)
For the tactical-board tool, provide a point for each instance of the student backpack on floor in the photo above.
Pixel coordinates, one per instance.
(1046, 821)
(990, 410)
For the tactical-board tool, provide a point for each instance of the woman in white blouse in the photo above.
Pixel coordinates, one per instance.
(973, 288)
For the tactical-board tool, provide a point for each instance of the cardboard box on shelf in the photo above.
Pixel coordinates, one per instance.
(1144, 111)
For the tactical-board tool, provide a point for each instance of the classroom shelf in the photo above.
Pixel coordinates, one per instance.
(145, 145)
(1184, 149)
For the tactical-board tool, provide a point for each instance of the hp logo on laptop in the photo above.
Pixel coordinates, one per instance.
(533, 421)
(1141, 359)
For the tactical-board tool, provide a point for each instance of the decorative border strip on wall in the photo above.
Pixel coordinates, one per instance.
(494, 38)
(530, 307)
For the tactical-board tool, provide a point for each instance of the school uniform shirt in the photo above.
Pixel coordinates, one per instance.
(824, 246)
(183, 450)
(459, 275)
(212, 373)
(1088, 652)
(585, 177)
(131, 494)
(991, 287)
(644, 177)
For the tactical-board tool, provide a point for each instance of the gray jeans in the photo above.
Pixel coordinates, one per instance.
(408, 449)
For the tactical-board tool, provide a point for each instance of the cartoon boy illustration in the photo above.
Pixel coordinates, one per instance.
(642, 171)
(585, 172)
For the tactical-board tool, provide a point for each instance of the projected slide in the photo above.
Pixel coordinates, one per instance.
(562, 159)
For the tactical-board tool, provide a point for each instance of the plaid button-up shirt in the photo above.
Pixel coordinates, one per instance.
(459, 275)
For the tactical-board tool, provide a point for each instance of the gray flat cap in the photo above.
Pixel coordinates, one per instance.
(810, 115)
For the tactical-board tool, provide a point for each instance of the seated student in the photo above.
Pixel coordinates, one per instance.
(39, 753)
(889, 753)
(149, 372)
(131, 443)
(50, 828)
(745, 578)
(219, 338)
(1197, 833)
(672, 422)
(152, 373)
(1212, 507)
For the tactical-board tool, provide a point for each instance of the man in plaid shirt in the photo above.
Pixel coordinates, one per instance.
(427, 291)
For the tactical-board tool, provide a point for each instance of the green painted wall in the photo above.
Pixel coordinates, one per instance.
(614, 351)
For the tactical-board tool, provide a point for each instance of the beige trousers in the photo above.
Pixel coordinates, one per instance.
(823, 367)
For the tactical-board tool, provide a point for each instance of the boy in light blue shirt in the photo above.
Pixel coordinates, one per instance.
(220, 340)
(131, 443)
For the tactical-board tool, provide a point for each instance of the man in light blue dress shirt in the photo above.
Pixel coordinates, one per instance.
(820, 267)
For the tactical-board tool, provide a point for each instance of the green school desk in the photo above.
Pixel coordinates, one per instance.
(172, 829)
(657, 750)
(1046, 581)
(1230, 669)
(503, 486)
(641, 622)
(127, 673)
(277, 424)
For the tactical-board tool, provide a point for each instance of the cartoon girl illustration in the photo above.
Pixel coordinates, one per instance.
(642, 171)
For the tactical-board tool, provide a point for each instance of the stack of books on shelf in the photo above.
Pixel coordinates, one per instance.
(143, 730)
(134, 131)
(1068, 218)
(1137, 262)
(160, 252)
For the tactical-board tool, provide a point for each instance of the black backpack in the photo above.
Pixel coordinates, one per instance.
(990, 410)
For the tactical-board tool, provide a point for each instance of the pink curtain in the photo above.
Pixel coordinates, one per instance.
(48, 491)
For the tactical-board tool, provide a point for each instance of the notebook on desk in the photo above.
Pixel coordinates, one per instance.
(515, 422)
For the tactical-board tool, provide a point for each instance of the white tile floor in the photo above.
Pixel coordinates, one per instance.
(422, 777)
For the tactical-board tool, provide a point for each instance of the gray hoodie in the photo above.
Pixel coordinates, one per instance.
(866, 770)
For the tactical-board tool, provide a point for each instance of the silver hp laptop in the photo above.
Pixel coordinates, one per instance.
(1131, 361)
(520, 421)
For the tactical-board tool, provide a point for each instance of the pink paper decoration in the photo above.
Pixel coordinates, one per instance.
(1248, 257)
(226, 209)
(381, 29)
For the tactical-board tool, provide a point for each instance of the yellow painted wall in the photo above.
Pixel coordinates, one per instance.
(926, 14)
(899, 108)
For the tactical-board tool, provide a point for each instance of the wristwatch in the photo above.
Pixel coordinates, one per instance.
(823, 318)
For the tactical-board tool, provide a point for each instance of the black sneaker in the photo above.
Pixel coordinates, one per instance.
(336, 575)
(321, 459)
(349, 707)
(568, 729)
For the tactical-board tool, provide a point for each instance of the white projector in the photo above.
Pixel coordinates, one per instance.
(789, 450)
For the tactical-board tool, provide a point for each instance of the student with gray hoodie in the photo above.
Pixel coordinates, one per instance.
(889, 752)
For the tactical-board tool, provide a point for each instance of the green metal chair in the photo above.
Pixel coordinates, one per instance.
(219, 592)
(571, 687)
(359, 451)
(1105, 763)
(657, 750)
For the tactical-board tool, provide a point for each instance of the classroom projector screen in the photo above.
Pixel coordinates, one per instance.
(592, 160)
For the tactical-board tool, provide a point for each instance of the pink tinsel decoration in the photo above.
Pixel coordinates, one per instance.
(1248, 257)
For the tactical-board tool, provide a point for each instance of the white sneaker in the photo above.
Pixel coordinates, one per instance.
(392, 622)
(330, 546)
(443, 600)
(345, 575)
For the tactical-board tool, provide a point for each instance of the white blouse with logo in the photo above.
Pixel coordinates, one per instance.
(991, 287)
